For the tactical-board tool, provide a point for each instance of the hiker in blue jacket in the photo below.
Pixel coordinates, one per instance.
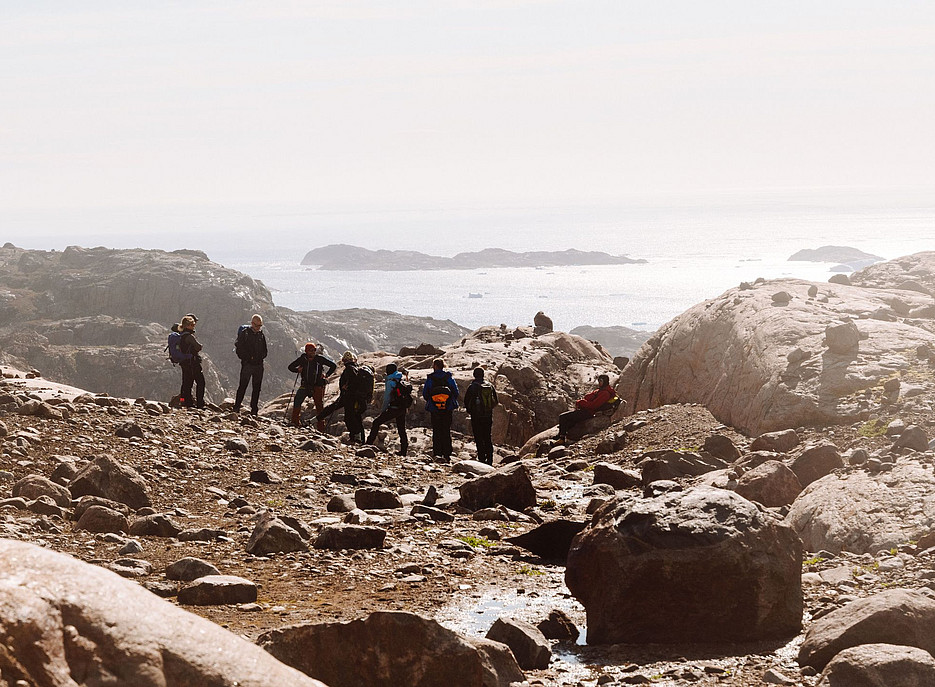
(440, 392)
(394, 407)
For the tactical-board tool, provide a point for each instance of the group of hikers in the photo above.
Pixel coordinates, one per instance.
(355, 391)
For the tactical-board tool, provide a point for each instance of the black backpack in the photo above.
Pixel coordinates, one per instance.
(239, 341)
(402, 394)
(363, 384)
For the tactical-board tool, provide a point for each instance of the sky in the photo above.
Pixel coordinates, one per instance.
(142, 108)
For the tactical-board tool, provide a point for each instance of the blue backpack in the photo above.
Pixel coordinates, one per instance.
(175, 352)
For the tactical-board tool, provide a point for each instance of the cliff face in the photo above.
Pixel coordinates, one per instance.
(98, 318)
(788, 353)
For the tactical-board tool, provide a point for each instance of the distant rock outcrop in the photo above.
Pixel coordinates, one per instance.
(341, 257)
(850, 259)
(617, 340)
(98, 318)
(760, 366)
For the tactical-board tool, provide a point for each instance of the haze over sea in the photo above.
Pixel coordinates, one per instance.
(694, 251)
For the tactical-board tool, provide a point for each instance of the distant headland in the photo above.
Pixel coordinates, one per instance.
(342, 257)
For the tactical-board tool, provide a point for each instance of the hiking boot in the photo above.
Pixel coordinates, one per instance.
(296, 417)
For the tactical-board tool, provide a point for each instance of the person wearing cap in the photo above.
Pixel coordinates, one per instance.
(392, 409)
(315, 370)
(251, 349)
(192, 373)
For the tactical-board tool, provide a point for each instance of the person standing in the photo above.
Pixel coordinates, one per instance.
(395, 404)
(251, 349)
(586, 407)
(315, 370)
(192, 373)
(440, 392)
(350, 397)
(479, 400)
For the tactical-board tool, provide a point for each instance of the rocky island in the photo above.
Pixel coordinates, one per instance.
(759, 512)
(341, 257)
(848, 259)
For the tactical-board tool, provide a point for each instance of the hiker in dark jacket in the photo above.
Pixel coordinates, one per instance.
(586, 407)
(440, 392)
(192, 373)
(251, 349)
(479, 400)
(348, 399)
(315, 369)
(393, 408)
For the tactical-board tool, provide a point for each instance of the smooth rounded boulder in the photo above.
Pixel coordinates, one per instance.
(904, 617)
(113, 480)
(700, 565)
(880, 665)
(392, 648)
(64, 622)
(770, 483)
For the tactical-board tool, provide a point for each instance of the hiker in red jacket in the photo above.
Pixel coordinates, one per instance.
(586, 407)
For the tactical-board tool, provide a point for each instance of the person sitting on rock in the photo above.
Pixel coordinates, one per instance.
(315, 370)
(587, 406)
(394, 408)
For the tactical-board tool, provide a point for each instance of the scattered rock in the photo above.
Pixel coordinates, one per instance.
(616, 476)
(272, 535)
(373, 498)
(34, 486)
(509, 486)
(528, 644)
(781, 441)
(770, 483)
(112, 480)
(879, 665)
(156, 525)
(894, 616)
(558, 626)
(350, 537)
(550, 540)
(102, 519)
(392, 648)
(215, 590)
(815, 462)
(188, 569)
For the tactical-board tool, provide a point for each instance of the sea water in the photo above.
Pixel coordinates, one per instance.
(691, 254)
(694, 250)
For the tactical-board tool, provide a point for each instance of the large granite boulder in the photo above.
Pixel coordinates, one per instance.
(894, 616)
(392, 648)
(272, 535)
(65, 623)
(537, 378)
(864, 513)
(700, 565)
(759, 367)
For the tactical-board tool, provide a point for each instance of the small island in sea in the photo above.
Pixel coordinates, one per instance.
(342, 257)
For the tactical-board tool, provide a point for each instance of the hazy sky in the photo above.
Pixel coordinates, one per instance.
(341, 102)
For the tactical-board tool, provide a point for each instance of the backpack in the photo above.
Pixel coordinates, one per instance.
(239, 341)
(483, 401)
(402, 394)
(363, 383)
(439, 396)
(175, 353)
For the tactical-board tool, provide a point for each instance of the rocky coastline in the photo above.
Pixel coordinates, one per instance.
(758, 513)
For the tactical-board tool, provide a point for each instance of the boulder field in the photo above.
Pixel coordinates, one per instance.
(787, 353)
